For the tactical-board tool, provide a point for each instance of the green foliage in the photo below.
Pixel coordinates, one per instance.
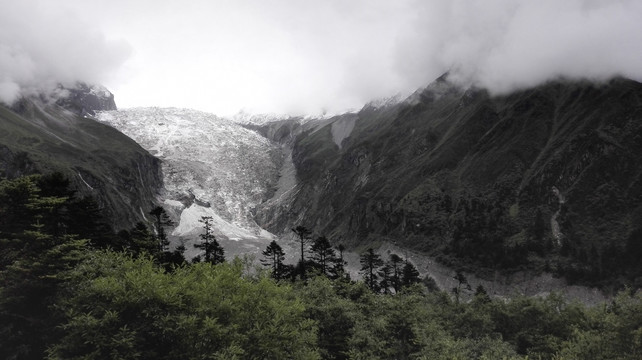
(129, 308)
(610, 332)
(36, 256)
(61, 298)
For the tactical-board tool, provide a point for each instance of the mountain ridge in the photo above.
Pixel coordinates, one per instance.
(41, 135)
(459, 173)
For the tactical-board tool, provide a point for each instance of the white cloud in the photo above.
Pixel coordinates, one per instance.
(303, 56)
(42, 44)
(506, 44)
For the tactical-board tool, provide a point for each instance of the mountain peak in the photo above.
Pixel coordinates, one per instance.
(85, 99)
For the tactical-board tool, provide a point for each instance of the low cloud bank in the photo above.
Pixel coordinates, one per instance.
(504, 45)
(43, 45)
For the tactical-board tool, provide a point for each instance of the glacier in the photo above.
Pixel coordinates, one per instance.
(212, 166)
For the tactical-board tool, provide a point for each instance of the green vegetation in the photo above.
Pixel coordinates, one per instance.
(65, 295)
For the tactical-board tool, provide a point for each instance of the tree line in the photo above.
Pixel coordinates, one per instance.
(71, 288)
(318, 257)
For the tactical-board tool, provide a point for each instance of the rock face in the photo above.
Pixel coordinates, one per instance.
(85, 100)
(40, 137)
(477, 180)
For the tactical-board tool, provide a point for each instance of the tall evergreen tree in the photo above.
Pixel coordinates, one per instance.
(370, 263)
(274, 256)
(214, 252)
(338, 268)
(303, 234)
(323, 254)
(141, 240)
(410, 274)
(394, 262)
(385, 273)
(35, 254)
(17, 202)
(161, 220)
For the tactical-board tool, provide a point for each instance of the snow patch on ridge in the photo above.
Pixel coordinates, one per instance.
(189, 222)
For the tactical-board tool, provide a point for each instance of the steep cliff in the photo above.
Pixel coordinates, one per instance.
(38, 136)
(546, 178)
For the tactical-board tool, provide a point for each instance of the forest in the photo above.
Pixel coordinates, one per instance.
(73, 288)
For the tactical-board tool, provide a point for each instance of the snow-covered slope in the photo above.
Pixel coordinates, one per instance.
(212, 167)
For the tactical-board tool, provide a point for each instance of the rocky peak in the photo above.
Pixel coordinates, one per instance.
(85, 100)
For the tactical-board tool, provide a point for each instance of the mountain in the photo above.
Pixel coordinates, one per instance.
(545, 179)
(54, 133)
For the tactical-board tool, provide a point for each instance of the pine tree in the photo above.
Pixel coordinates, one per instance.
(274, 256)
(338, 268)
(304, 239)
(394, 262)
(35, 257)
(323, 254)
(370, 263)
(161, 220)
(410, 274)
(214, 252)
(385, 273)
(141, 240)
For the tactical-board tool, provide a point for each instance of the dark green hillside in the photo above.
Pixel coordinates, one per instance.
(100, 161)
(475, 179)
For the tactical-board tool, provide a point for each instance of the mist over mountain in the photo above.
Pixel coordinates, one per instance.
(328, 56)
(374, 174)
(366, 179)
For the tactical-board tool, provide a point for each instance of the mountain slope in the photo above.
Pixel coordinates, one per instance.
(546, 178)
(39, 136)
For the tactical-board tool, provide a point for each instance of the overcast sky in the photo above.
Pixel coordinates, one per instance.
(300, 57)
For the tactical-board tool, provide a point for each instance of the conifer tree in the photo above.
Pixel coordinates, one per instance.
(161, 220)
(35, 254)
(141, 240)
(274, 256)
(394, 262)
(338, 269)
(410, 274)
(323, 254)
(303, 234)
(370, 263)
(214, 252)
(385, 273)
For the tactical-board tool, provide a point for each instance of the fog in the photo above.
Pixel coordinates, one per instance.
(303, 57)
(42, 45)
